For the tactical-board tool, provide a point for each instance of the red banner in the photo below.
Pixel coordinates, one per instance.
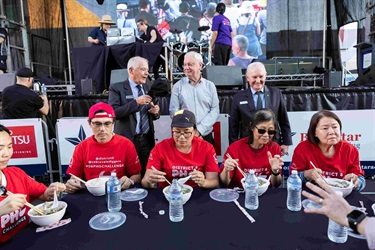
(24, 142)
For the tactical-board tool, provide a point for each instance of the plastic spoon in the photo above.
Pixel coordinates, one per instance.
(55, 203)
(182, 181)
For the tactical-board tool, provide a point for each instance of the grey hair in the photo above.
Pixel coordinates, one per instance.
(256, 66)
(196, 55)
(135, 61)
(242, 42)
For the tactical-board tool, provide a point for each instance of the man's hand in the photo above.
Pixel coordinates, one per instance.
(154, 109)
(143, 100)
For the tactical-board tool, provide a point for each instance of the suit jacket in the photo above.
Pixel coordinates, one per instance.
(125, 106)
(243, 109)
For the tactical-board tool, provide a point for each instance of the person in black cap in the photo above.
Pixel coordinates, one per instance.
(3, 50)
(21, 102)
(182, 155)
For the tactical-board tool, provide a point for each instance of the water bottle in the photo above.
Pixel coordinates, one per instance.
(251, 188)
(294, 186)
(43, 89)
(336, 232)
(176, 209)
(114, 193)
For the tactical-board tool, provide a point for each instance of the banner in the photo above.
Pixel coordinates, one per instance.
(28, 145)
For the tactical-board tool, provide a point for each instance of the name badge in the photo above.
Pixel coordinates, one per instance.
(129, 97)
(243, 102)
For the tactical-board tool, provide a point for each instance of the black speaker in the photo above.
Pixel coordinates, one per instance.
(367, 77)
(6, 80)
(88, 86)
(224, 77)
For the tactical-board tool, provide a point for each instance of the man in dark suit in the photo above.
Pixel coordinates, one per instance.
(259, 96)
(134, 109)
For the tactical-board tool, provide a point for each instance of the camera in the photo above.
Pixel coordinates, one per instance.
(39, 88)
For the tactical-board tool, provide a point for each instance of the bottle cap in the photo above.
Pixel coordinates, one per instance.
(161, 212)
(113, 173)
(294, 172)
(252, 171)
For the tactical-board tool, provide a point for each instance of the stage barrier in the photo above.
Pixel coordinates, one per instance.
(31, 146)
(358, 129)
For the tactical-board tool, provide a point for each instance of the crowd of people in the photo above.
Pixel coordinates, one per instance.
(123, 138)
(194, 23)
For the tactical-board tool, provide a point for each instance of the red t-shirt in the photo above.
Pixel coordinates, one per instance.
(18, 182)
(167, 158)
(343, 162)
(90, 158)
(249, 158)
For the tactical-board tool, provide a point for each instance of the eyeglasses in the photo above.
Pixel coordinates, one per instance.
(263, 131)
(100, 124)
(184, 134)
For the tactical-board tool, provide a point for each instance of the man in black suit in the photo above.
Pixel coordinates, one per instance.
(259, 96)
(134, 109)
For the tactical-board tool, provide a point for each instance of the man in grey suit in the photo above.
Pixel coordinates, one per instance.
(258, 96)
(134, 109)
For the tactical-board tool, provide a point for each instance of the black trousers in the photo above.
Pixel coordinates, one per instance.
(221, 54)
(143, 146)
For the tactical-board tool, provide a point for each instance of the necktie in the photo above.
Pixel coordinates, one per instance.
(124, 25)
(259, 101)
(144, 126)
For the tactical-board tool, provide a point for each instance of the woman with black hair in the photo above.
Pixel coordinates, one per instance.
(258, 151)
(221, 41)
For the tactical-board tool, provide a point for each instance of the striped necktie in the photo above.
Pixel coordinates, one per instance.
(144, 126)
(259, 101)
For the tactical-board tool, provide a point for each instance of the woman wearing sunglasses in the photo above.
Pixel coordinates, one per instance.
(258, 152)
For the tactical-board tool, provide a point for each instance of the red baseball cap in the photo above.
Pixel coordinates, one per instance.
(104, 107)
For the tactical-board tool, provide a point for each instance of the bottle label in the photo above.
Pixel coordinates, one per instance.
(114, 189)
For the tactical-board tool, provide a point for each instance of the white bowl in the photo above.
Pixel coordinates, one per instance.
(261, 189)
(185, 197)
(345, 190)
(46, 220)
(96, 186)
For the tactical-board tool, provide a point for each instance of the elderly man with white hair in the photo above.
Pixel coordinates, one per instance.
(198, 95)
(239, 49)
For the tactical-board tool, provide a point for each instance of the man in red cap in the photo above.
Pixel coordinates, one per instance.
(104, 151)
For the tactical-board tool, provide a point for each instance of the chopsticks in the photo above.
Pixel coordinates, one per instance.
(38, 210)
(163, 176)
(321, 176)
(239, 169)
(78, 178)
(252, 220)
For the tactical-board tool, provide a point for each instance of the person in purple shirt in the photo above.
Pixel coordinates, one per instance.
(221, 41)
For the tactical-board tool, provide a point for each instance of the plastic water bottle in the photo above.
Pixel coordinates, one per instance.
(251, 195)
(43, 89)
(294, 186)
(336, 232)
(176, 209)
(114, 193)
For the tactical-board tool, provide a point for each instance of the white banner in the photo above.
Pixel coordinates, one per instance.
(28, 142)
(358, 128)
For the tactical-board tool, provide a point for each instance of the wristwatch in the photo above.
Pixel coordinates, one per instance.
(354, 218)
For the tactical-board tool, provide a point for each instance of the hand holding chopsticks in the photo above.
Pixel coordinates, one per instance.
(321, 176)
(236, 164)
(38, 210)
(84, 182)
(162, 176)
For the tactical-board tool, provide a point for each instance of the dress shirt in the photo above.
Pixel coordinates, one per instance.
(201, 99)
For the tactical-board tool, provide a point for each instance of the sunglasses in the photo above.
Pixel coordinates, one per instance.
(263, 131)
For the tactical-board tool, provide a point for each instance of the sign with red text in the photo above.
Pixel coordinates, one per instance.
(28, 141)
(358, 128)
